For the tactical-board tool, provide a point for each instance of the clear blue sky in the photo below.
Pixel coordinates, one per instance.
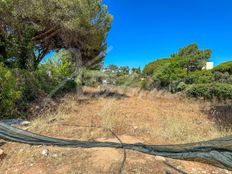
(144, 30)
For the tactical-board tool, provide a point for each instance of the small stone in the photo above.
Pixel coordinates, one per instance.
(135, 127)
(1, 152)
(227, 172)
(194, 170)
(45, 152)
(204, 172)
(25, 123)
(160, 158)
(167, 171)
(55, 155)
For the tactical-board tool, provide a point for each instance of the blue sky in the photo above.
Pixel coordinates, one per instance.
(149, 29)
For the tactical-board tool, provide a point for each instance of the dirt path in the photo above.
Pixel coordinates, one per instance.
(152, 118)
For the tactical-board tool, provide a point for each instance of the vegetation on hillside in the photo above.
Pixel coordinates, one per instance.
(185, 72)
(74, 30)
(31, 29)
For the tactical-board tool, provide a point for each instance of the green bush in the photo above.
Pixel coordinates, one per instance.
(224, 67)
(169, 73)
(9, 93)
(55, 72)
(177, 87)
(148, 84)
(222, 77)
(210, 91)
(198, 77)
(149, 68)
(18, 88)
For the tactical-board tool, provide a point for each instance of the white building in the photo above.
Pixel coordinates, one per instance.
(209, 65)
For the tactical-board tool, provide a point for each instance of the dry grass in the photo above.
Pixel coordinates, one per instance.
(149, 117)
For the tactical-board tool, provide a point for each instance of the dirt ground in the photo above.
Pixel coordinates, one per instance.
(135, 116)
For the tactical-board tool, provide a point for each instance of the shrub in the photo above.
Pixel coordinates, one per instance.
(54, 72)
(169, 73)
(224, 67)
(147, 84)
(9, 93)
(198, 77)
(149, 68)
(209, 91)
(222, 77)
(20, 87)
(177, 87)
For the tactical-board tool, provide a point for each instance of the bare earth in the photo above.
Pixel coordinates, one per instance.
(145, 117)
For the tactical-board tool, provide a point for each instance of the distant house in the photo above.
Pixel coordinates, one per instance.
(209, 65)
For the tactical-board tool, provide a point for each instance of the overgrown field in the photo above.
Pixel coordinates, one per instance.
(134, 115)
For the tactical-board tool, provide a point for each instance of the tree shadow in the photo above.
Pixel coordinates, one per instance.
(105, 94)
(221, 115)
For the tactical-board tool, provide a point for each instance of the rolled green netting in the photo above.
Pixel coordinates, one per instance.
(217, 152)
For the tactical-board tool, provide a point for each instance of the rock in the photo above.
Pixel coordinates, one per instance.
(55, 155)
(194, 170)
(135, 127)
(167, 171)
(25, 123)
(160, 158)
(45, 152)
(1, 152)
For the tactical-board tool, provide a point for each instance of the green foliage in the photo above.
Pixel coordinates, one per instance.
(169, 73)
(9, 94)
(20, 87)
(184, 67)
(56, 71)
(147, 84)
(136, 70)
(30, 29)
(192, 51)
(177, 86)
(198, 77)
(222, 77)
(93, 77)
(123, 70)
(224, 67)
(210, 91)
(192, 58)
(155, 65)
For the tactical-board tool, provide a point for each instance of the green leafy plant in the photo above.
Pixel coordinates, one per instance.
(210, 91)
(224, 67)
(9, 93)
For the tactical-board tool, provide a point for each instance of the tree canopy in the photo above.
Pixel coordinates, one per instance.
(192, 57)
(29, 29)
(189, 57)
